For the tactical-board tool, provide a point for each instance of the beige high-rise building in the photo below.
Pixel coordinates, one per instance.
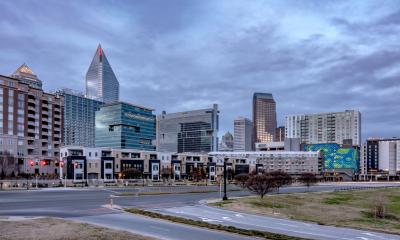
(264, 117)
(31, 123)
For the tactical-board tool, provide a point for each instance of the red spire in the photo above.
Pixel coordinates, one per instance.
(101, 54)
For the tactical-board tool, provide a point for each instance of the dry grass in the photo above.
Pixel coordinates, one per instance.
(57, 229)
(346, 208)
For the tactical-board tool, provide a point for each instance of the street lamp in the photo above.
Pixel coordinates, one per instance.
(225, 196)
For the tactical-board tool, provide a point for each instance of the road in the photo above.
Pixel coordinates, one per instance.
(87, 205)
(270, 224)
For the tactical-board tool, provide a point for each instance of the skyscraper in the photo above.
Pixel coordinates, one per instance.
(242, 134)
(191, 131)
(101, 82)
(79, 118)
(264, 117)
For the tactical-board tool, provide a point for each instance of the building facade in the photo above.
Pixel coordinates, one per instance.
(264, 117)
(79, 118)
(191, 131)
(242, 134)
(280, 134)
(226, 142)
(107, 164)
(381, 158)
(340, 127)
(31, 124)
(101, 83)
(123, 125)
(292, 162)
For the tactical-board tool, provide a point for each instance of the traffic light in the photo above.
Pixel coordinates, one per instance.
(62, 163)
(32, 163)
(43, 163)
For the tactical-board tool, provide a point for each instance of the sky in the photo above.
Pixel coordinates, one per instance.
(179, 55)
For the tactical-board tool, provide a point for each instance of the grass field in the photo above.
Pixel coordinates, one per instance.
(346, 208)
(54, 229)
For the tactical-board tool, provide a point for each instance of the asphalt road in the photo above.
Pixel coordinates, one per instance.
(88, 205)
(284, 226)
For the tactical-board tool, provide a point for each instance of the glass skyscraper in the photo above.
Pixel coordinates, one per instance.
(264, 117)
(123, 125)
(79, 118)
(101, 82)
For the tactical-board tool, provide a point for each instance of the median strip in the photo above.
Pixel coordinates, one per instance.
(230, 229)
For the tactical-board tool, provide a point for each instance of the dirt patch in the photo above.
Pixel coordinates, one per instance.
(346, 208)
(58, 229)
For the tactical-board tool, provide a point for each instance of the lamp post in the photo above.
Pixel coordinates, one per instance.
(225, 197)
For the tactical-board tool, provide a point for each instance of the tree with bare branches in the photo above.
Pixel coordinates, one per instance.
(242, 179)
(261, 184)
(308, 179)
(281, 179)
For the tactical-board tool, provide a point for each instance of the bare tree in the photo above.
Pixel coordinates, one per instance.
(166, 172)
(379, 203)
(197, 174)
(308, 179)
(261, 184)
(7, 163)
(242, 179)
(281, 179)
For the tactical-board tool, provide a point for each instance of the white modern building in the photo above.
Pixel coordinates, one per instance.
(336, 127)
(242, 134)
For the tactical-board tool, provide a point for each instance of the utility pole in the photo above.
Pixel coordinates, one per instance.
(225, 196)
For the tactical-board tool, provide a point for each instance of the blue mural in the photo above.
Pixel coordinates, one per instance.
(335, 156)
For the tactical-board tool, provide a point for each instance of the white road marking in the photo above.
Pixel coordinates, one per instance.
(209, 220)
(227, 218)
(238, 215)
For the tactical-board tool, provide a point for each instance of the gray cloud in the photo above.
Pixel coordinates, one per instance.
(179, 55)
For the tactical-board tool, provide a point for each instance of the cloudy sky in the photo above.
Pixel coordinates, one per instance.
(314, 56)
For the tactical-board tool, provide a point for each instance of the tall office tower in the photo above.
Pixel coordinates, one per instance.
(123, 125)
(339, 127)
(191, 131)
(79, 118)
(264, 117)
(101, 82)
(31, 123)
(280, 134)
(242, 134)
(226, 142)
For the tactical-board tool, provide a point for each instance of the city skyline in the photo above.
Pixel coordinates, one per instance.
(151, 56)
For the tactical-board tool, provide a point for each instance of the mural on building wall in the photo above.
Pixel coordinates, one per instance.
(335, 156)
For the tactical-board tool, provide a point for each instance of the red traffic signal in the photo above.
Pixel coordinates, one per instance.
(43, 163)
(62, 163)
(32, 163)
